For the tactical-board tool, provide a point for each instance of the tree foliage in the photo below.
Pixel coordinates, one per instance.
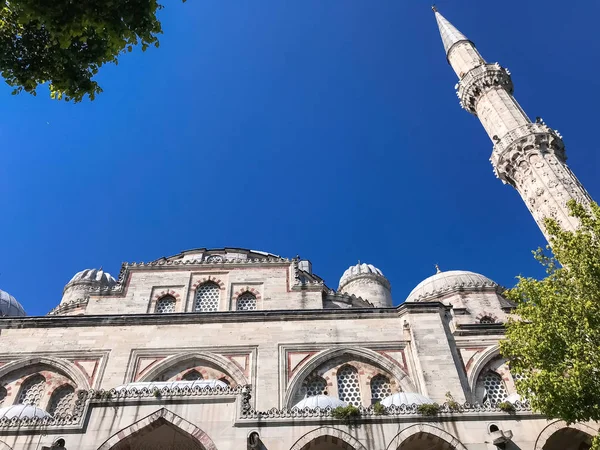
(554, 340)
(65, 42)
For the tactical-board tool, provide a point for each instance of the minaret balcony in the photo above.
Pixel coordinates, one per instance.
(480, 79)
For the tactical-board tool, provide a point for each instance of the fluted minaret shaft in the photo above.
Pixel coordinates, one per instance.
(528, 156)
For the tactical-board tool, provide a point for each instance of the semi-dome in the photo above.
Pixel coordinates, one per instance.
(96, 277)
(359, 270)
(446, 282)
(23, 412)
(9, 306)
(319, 401)
(406, 398)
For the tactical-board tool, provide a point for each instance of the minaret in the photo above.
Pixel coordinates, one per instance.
(528, 155)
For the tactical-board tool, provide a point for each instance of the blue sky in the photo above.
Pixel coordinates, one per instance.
(328, 129)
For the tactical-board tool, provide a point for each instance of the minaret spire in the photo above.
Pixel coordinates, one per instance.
(450, 35)
(528, 156)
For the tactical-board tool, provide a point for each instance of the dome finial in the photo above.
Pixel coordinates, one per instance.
(437, 269)
(434, 8)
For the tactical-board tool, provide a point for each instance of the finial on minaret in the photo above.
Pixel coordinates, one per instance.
(437, 269)
(434, 8)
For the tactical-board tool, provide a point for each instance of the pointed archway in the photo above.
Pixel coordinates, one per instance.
(327, 438)
(162, 430)
(425, 437)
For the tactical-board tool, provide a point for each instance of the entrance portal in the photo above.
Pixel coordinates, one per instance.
(568, 439)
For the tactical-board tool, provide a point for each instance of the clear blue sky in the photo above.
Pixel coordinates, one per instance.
(328, 129)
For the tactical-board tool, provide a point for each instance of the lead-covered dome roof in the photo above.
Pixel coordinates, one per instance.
(320, 401)
(23, 412)
(406, 398)
(93, 277)
(9, 306)
(446, 282)
(360, 270)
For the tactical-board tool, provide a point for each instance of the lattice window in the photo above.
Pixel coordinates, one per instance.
(165, 305)
(61, 402)
(348, 388)
(487, 319)
(380, 388)
(207, 297)
(32, 390)
(494, 389)
(192, 375)
(313, 385)
(246, 302)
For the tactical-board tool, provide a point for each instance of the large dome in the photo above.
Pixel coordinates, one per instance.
(95, 277)
(446, 282)
(359, 270)
(9, 306)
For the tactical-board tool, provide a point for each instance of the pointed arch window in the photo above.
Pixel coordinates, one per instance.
(192, 375)
(494, 390)
(207, 297)
(348, 387)
(165, 305)
(246, 302)
(32, 390)
(380, 388)
(61, 402)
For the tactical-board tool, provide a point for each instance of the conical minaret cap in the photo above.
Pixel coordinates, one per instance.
(450, 35)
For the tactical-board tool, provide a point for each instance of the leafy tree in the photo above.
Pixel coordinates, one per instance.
(65, 42)
(555, 341)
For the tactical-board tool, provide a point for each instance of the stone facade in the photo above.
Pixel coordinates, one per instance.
(140, 376)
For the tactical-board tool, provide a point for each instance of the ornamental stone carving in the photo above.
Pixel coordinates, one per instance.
(478, 80)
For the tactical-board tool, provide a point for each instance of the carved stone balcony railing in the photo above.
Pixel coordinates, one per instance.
(476, 81)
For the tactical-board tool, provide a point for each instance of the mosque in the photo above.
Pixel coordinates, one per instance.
(230, 349)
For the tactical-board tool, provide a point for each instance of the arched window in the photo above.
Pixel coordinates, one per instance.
(246, 302)
(61, 402)
(32, 390)
(313, 385)
(165, 305)
(207, 298)
(487, 319)
(380, 388)
(348, 388)
(192, 375)
(494, 390)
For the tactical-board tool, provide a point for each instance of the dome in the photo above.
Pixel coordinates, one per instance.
(359, 270)
(406, 398)
(444, 282)
(319, 401)
(9, 306)
(23, 412)
(93, 276)
(151, 385)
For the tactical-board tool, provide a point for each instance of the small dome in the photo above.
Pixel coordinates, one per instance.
(151, 385)
(444, 282)
(319, 401)
(405, 398)
(93, 276)
(23, 412)
(358, 270)
(9, 306)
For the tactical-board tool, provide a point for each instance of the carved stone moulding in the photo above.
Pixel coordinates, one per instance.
(477, 81)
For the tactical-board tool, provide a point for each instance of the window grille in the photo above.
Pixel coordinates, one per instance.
(192, 375)
(165, 305)
(380, 388)
(246, 302)
(61, 402)
(348, 388)
(207, 298)
(494, 389)
(313, 385)
(32, 391)
(486, 319)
